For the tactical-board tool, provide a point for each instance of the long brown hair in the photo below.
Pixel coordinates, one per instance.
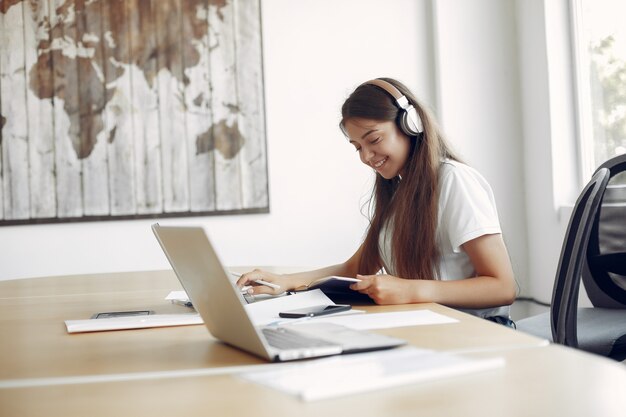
(411, 202)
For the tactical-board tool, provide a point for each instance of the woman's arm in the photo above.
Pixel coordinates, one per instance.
(289, 282)
(493, 285)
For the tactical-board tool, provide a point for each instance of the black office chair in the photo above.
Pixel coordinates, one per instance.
(597, 330)
(604, 269)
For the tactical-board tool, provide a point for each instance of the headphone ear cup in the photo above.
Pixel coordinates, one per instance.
(410, 122)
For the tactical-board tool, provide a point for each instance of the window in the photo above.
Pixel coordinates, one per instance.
(599, 37)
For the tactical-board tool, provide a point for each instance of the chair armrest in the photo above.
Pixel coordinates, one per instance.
(610, 262)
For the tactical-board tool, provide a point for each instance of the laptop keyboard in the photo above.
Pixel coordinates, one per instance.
(283, 339)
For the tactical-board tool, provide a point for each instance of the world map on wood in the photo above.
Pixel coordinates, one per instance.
(130, 108)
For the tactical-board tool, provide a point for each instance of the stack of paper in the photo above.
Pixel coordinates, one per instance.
(350, 374)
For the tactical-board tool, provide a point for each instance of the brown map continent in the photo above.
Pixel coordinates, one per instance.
(226, 138)
(6, 5)
(152, 35)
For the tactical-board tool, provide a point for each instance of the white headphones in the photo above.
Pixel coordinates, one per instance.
(408, 120)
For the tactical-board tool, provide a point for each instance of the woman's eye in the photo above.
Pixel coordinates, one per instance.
(375, 141)
(357, 149)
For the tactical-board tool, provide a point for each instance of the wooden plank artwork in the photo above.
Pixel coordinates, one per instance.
(16, 193)
(251, 115)
(199, 120)
(172, 107)
(117, 109)
(92, 99)
(41, 113)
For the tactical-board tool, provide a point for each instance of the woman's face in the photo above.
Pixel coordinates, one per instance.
(380, 144)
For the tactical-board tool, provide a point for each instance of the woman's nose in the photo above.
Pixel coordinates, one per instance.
(366, 155)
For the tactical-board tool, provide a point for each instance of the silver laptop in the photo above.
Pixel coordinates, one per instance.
(220, 304)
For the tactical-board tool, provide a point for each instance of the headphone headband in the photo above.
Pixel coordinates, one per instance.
(408, 120)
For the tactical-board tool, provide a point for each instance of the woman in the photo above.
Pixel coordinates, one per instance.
(434, 228)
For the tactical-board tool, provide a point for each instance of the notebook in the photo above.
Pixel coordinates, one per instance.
(338, 290)
(221, 306)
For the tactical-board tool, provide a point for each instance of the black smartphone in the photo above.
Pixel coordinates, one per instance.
(112, 314)
(314, 311)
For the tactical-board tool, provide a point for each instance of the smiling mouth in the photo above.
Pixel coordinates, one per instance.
(379, 164)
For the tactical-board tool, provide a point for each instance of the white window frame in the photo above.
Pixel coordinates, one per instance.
(582, 93)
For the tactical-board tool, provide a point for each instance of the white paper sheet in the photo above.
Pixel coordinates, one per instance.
(388, 320)
(177, 295)
(350, 374)
(132, 322)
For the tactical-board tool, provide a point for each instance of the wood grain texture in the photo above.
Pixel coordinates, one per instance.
(3, 119)
(121, 141)
(172, 108)
(199, 117)
(92, 99)
(66, 112)
(251, 116)
(227, 138)
(130, 108)
(40, 111)
(15, 182)
(144, 105)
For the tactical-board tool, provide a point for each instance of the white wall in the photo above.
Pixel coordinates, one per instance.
(542, 214)
(551, 171)
(480, 105)
(315, 53)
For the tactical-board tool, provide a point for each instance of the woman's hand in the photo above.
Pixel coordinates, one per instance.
(249, 278)
(493, 285)
(385, 289)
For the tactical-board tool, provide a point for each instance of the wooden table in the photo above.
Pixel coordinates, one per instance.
(46, 371)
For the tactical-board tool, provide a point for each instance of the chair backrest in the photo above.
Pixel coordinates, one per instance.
(563, 313)
(604, 269)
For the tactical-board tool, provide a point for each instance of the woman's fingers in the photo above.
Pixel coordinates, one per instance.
(259, 282)
(249, 277)
(256, 289)
(362, 285)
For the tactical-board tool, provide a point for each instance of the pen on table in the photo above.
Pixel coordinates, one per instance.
(182, 303)
(267, 284)
(258, 281)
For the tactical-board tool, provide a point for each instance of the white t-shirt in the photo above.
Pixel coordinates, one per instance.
(467, 210)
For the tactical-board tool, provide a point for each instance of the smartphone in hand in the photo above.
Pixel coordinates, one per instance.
(314, 311)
